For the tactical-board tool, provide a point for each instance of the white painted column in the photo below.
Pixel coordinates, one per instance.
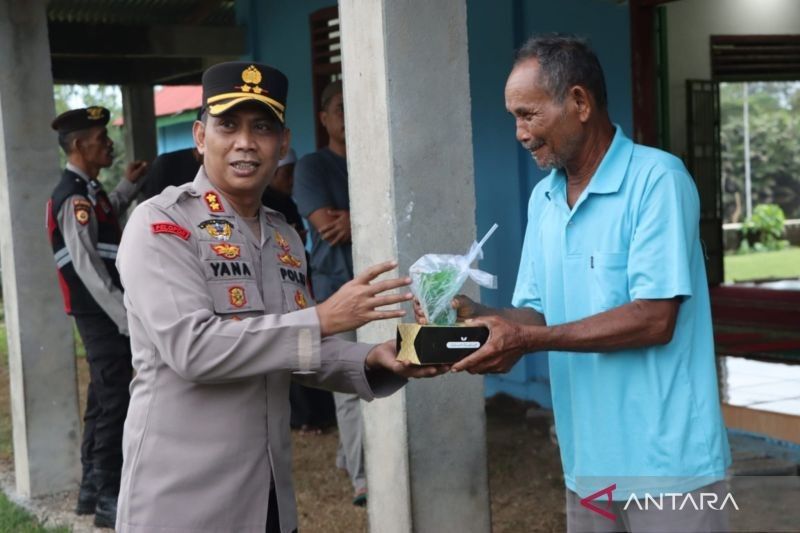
(409, 146)
(44, 399)
(138, 108)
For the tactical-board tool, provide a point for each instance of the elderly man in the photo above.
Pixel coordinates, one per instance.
(612, 283)
(222, 320)
(84, 230)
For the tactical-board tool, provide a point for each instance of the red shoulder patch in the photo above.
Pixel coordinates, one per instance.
(174, 229)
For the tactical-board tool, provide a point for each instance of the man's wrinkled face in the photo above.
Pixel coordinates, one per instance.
(96, 148)
(241, 148)
(549, 130)
(332, 117)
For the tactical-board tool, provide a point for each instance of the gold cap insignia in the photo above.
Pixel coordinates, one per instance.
(94, 113)
(251, 77)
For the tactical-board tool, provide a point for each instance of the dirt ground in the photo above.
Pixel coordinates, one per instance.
(524, 474)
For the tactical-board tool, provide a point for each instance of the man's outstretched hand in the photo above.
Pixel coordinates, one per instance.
(356, 302)
(385, 356)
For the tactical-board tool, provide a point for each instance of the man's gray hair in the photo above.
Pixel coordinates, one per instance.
(566, 61)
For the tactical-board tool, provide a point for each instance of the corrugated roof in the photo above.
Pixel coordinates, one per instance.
(145, 12)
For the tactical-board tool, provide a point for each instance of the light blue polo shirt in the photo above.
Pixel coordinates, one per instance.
(647, 419)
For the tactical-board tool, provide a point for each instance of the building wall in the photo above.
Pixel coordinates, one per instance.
(280, 37)
(690, 24)
(174, 136)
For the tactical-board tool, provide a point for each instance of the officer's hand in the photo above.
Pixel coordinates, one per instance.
(338, 230)
(355, 303)
(385, 356)
(505, 345)
(464, 306)
(135, 170)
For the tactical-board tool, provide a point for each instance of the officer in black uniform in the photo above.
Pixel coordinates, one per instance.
(82, 222)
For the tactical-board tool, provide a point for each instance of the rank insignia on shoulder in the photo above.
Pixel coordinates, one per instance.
(82, 209)
(173, 229)
(289, 259)
(237, 296)
(282, 242)
(217, 228)
(300, 299)
(212, 200)
(228, 251)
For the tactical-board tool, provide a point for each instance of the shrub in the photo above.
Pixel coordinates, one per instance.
(763, 231)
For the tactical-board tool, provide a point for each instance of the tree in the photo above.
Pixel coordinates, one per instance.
(73, 96)
(774, 146)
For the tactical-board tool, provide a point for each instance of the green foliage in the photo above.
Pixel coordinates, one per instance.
(18, 520)
(763, 231)
(73, 96)
(784, 264)
(434, 288)
(774, 146)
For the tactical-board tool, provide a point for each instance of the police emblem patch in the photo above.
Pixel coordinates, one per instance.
(82, 208)
(228, 251)
(212, 200)
(217, 228)
(300, 299)
(237, 296)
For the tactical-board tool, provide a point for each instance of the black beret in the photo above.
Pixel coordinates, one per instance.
(80, 119)
(229, 84)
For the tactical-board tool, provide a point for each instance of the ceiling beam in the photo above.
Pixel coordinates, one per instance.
(124, 71)
(113, 40)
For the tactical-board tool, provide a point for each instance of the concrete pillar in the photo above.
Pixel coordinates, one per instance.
(41, 360)
(138, 108)
(409, 145)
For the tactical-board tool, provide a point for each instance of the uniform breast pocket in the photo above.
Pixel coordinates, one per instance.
(236, 297)
(609, 276)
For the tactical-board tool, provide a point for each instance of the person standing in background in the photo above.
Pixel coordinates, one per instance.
(84, 231)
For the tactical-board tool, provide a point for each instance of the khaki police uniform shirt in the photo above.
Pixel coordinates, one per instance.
(220, 323)
(86, 256)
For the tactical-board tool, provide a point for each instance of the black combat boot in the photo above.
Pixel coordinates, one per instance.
(87, 494)
(105, 511)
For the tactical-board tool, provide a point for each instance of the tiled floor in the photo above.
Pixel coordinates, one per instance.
(773, 387)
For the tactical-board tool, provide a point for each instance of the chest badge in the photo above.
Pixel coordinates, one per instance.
(300, 299)
(217, 228)
(237, 296)
(288, 259)
(228, 251)
(213, 202)
(281, 241)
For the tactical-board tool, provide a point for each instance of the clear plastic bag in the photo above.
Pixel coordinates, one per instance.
(437, 278)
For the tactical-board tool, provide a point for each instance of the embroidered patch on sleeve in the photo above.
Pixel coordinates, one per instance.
(82, 209)
(174, 229)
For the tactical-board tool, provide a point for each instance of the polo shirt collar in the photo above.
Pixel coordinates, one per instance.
(608, 177)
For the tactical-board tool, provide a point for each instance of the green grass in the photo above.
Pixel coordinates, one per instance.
(18, 520)
(763, 265)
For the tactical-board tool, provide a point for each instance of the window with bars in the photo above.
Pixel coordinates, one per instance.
(326, 59)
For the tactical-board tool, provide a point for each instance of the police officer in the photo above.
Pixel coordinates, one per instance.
(222, 320)
(83, 225)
